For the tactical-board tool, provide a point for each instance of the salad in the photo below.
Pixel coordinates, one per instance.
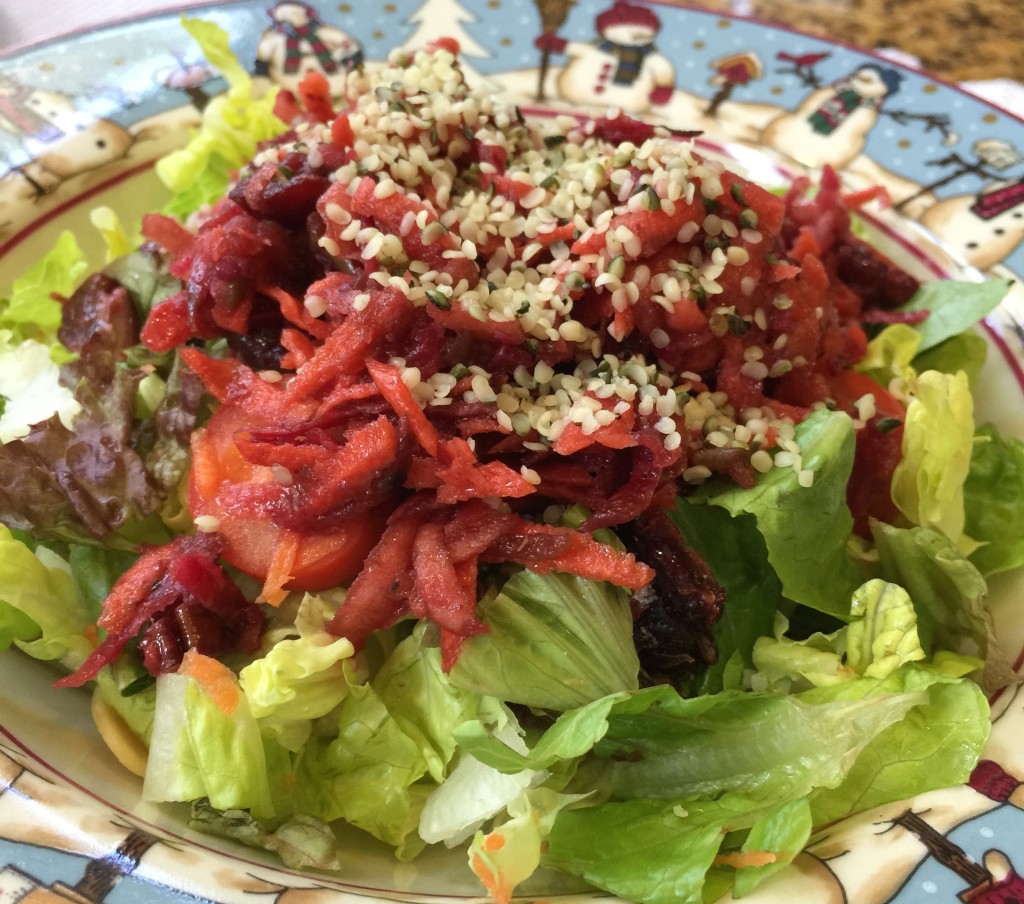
(530, 486)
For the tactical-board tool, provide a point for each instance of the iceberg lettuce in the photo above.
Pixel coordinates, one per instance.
(556, 641)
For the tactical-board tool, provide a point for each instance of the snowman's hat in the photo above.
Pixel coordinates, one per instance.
(623, 13)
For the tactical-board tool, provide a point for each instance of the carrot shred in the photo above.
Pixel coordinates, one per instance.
(399, 397)
(286, 553)
(216, 679)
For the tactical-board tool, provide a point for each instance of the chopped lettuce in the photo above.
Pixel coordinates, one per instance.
(928, 482)
(197, 750)
(776, 838)
(510, 852)
(805, 529)
(890, 353)
(366, 771)
(994, 501)
(556, 641)
(966, 351)
(234, 123)
(474, 793)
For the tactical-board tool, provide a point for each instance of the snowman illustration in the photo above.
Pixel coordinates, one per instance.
(297, 42)
(988, 226)
(831, 124)
(621, 68)
(62, 140)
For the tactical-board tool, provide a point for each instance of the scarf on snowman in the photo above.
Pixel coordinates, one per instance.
(300, 40)
(833, 113)
(630, 57)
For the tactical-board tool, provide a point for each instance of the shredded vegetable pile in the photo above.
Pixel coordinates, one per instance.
(536, 483)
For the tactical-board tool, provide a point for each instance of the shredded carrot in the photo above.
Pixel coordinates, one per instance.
(217, 680)
(286, 553)
(392, 387)
(741, 859)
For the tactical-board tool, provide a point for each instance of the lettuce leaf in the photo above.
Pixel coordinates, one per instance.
(233, 125)
(994, 501)
(935, 745)
(890, 354)
(301, 842)
(737, 556)
(556, 641)
(966, 351)
(509, 853)
(780, 834)
(882, 634)
(32, 312)
(949, 593)
(474, 793)
(424, 703)
(41, 610)
(953, 307)
(928, 482)
(199, 751)
(805, 529)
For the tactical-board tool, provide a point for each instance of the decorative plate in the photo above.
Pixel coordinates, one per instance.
(81, 123)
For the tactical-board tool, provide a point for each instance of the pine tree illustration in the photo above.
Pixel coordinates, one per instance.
(444, 19)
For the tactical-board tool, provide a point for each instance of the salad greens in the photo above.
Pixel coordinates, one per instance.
(846, 674)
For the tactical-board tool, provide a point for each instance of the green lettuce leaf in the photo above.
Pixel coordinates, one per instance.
(994, 501)
(475, 792)
(41, 609)
(32, 312)
(949, 593)
(735, 552)
(890, 353)
(882, 634)
(935, 745)
(966, 351)
(509, 853)
(782, 834)
(367, 771)
(805, 529)
(653, 851)
(300, 678)
(953, 307)
(233, 125)
(928, 482)
(199, 751)
(424, 703)
(556, 641)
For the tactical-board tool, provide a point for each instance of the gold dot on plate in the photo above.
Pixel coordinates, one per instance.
(724, 23)
(777, 89)
(494, 4)
(698, 45)
(930, 88)
(46, 67)
(505, 42)
(344, 7)
(379, 35)
(389, 7)
(904, 143)
(990, 118)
